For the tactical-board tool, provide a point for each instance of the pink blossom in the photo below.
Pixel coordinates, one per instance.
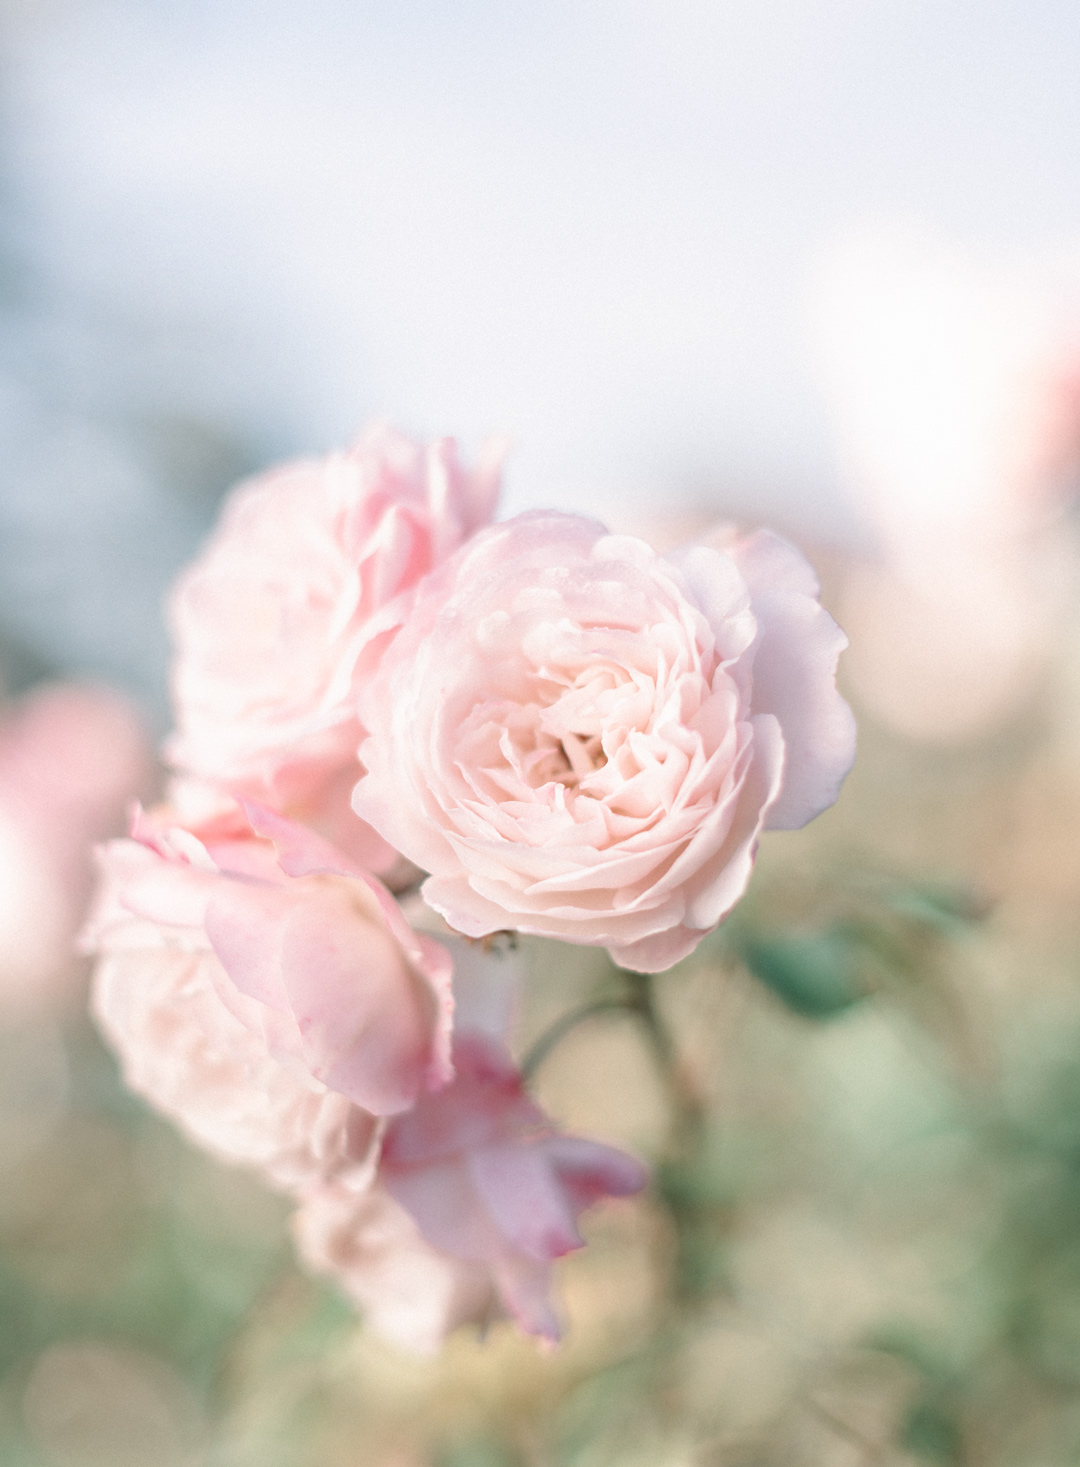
(307, 953)
(289, 607)
(70, 760)
(580, 738)
(490, 1193)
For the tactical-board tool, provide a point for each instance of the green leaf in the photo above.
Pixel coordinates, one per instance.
(815, 975)
(930, 1432)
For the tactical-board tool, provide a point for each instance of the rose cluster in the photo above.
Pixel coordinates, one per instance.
(550, 729)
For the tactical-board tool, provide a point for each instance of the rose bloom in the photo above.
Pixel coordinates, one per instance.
(266, 964)
(583, 739)
(288, 608)
(477, 1194)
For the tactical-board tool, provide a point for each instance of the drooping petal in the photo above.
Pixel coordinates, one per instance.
(522, 1193)
(589, 1171)
(488, 1180)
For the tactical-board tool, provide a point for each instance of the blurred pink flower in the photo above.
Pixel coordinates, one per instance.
(955, 388)
(71, 758)
(307, 953)
(288, 608)
(580, 738)
(477, 1194)
(410, 1293)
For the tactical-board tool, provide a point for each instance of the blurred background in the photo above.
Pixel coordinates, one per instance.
(814, 263)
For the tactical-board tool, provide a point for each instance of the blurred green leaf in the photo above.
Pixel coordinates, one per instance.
(930, 1431)
(477, 1453)
(949, 909)
(815, 975)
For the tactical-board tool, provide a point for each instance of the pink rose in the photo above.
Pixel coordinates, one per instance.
(71, 758)
(306, 952)
(580, 738)
(477, 1194)
(289, 606)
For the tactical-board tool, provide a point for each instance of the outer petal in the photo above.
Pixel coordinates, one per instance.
(521, 1192)
(184, 1052)
(658, 952)
(443, 1202)
(364, 1021)
(483, 1105)
(589, 1171)
(795, 677)
(365, 1018)
(245, 924)
(301, 852)
(525, 1286)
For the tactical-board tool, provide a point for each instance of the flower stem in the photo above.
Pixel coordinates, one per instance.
(542, 1047)
(639, 1000)
(681, 1186)
(687, 1111)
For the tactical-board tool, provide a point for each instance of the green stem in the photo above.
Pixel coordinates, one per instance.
(687, 1111)
(542, 1047)
(638, 999)
(690, 1212)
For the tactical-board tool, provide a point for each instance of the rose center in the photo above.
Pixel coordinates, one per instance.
(566, 760)
(584, 755)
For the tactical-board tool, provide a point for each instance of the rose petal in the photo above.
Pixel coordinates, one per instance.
(795, 678)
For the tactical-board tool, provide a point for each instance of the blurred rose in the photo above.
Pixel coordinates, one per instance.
(288, 608)
(71, 758)
(582, 739)
(477, 1195)
(308, 954)
(955, 387)
(956, 392)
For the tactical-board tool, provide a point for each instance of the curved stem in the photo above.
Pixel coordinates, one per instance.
(637, 999)
(542, 1047)
(688, 1113)
(688, 1119)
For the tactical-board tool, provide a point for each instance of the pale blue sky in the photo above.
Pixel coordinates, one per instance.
(593, 225)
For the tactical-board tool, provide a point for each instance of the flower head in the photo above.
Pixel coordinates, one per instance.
(477, 1194)
(580, 738)
(288, 608)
